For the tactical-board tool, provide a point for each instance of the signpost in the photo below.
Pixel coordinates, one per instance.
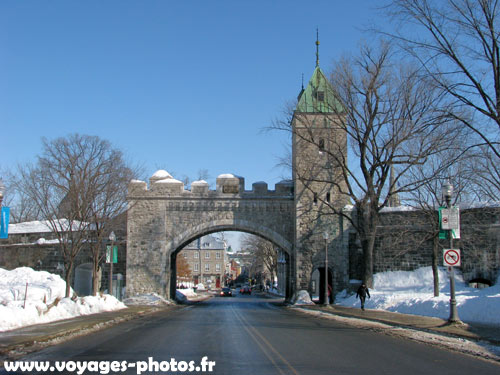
(449, 219)
(451, 257)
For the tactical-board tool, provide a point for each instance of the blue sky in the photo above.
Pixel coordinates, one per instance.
(177, 85)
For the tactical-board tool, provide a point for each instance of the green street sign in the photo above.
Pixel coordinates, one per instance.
(115, 254)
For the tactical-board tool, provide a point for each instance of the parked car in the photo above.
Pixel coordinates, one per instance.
(226, 292)
(246, 290)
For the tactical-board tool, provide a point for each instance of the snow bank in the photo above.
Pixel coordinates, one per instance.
(303, 298)
(45, 300)
(412, 293)
(149, 299)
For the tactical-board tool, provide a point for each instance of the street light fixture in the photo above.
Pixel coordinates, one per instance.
(2, 191)
(326, 300)
(447, 191)
(112, 238)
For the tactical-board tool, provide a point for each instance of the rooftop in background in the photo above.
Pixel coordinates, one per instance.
(207, 242)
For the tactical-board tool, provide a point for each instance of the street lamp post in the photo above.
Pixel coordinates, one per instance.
(2, 190)
(112, 238)
(326, 300)
(447, 191)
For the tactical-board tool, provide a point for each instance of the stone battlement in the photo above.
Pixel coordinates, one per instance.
(228, 185)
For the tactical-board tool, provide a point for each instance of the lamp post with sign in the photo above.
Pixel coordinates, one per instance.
(111, 253)
(2, 190)
(326, 300)
(447, 191)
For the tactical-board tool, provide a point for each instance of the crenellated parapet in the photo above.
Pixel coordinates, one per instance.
(162, 184)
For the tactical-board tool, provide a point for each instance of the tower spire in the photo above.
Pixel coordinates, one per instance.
(317, 47)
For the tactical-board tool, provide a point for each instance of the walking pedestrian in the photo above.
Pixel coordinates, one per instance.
(362, 293)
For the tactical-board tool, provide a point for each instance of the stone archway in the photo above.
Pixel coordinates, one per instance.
(247, 227)
(165, 217)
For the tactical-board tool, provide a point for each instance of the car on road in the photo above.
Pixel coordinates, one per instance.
(246, 290)
(226, 292)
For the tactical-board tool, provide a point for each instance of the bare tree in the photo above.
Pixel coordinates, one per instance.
(183, 269)
(484, 171)
(22, 207)
(386, 117)
(264, 253)
(428, 198)
(456, 43)
(78, 184)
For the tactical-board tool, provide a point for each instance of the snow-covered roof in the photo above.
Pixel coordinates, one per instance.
(30, 227)
(44, 226)
(226, 175)
(465, 206)
(397, 209)
(207, 242)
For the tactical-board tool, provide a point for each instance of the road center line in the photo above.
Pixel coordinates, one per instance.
(254, 333)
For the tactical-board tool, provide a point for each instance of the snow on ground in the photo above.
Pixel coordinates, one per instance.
(45, 300)
(188, 292)
(412, 293)
(303, 298)
(149, 299)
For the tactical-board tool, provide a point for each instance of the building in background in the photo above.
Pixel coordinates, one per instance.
(207, 259)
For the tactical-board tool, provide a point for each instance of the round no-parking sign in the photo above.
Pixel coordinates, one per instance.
(451, 257)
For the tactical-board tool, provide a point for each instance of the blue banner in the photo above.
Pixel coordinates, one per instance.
(4, 222)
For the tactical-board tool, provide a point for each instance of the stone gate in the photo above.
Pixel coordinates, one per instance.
(297, 216)
(165, 217)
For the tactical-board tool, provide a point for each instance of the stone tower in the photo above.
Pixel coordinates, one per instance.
(318, 143)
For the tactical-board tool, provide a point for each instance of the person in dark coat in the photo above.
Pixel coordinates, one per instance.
(362, 293)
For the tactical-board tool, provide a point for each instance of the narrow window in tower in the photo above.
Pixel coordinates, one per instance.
(328, 197)
(320, 95)
(321, 145)
(315, 199)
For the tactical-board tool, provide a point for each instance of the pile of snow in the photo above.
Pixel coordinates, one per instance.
(149, 299)
(44, 301)
(185, 294)
(412, 293)
(161, 174)
(303, 298)
(188, 292)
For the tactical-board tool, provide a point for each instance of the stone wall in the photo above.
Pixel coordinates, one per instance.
(405, 242)
(39, 251)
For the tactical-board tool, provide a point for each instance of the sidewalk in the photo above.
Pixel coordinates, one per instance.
(470, 331)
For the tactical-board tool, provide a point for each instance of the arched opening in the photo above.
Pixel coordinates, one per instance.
(212, 264)
(317, 285)
(480, 283)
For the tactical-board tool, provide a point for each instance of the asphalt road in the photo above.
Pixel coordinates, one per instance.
(248, 335)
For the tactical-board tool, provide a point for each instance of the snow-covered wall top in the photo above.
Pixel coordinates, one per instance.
(162, 183)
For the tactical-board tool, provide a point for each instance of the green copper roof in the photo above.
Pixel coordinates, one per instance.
(318, 96)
